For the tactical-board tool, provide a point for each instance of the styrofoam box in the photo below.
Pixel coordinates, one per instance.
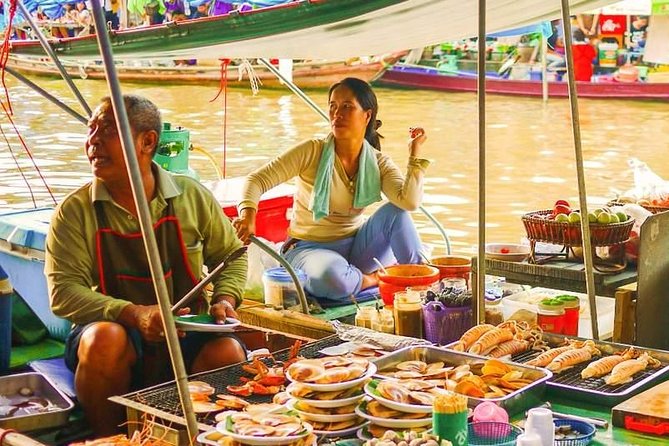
(529, 299)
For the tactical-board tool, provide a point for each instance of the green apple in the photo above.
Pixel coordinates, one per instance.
(614, 218)
(598, 211)
(604, 218)
(592, 217)
(621, 216)
(574, 217)
(562, 218)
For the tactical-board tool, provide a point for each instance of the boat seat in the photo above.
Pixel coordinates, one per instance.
(56, 370)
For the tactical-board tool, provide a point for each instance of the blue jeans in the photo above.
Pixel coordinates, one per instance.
(335, 269)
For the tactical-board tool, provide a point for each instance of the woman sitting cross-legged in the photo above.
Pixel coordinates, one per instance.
(337, 178)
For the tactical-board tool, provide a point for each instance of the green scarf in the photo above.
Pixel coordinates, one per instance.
(368, 184)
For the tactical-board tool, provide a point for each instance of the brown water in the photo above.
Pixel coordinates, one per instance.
(530, 156)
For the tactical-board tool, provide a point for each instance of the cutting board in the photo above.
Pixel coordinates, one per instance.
(645, 412)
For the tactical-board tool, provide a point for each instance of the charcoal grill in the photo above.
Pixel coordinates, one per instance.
(570, 384)
(161, 403)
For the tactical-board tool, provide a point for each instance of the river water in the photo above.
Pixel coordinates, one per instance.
(530, 155)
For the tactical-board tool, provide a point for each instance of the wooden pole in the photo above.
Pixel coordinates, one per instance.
(479, 313)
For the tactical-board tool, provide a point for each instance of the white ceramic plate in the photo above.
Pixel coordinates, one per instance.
(371, 370)
(203, 438)
(393, 423)
(510, 252)
(325, 403)
(323, 418)
(402, 407)
(184, 323)
(342, 433)
(262, 441)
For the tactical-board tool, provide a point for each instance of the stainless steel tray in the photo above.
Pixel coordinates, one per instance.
(518, 401)
(569, 384)
(42, 387)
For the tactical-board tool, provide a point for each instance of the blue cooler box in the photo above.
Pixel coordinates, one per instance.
(22, 237)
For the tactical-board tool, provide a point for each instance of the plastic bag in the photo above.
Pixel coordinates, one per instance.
(649, 188)
(259, 261)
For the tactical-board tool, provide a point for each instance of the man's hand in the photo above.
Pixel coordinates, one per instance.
(416, 139)
(245, 225)
(146, 319)
(223, 309)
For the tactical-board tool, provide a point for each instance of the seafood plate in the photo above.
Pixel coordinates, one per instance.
(337, 398)
(263, 428)
(395, 395)
(389, 417)
(371, 431)
(331, 373)
(346, 428)
(320, 414)
(512, 386)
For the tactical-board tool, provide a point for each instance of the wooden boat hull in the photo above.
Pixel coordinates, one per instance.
(305, 75)
(431, 79)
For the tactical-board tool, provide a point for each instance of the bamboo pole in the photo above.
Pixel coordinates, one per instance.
(580, 173)
(544, 71)
(52, 55)
(479, 313)
(144, 217)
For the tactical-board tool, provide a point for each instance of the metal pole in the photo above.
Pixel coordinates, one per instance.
(144, 217)
(47, 95)
(479, 313)
(294, 88)
(580, 173)
(53, 57)
(544, 71)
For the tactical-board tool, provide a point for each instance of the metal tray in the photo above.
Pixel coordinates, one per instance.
(515, 402)
(570, 384)
(42, 387)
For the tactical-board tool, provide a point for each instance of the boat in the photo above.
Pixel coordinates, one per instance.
(422, 77)
(307, 74)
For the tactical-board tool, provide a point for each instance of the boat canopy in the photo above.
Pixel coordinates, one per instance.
(309, 29)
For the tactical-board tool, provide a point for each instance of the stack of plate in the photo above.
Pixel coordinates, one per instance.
(329, 407)
(383, 412)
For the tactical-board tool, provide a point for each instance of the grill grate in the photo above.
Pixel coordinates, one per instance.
(572, 377)
(165, 397)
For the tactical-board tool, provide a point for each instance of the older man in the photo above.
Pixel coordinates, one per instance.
(98, 275)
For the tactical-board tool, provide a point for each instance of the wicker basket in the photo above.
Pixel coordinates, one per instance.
(653, 209)
(541, 229)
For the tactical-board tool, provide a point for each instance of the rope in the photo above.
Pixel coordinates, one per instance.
(223, 88)
(4, 52)
(254, 80)
(18, 166)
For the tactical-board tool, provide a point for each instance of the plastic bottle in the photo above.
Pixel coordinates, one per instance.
(6, 292)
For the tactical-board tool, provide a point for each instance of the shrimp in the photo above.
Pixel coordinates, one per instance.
(511, 347)
(603, 366)
(490, 340)
(623, 372)
(573, 357)
(472, 335)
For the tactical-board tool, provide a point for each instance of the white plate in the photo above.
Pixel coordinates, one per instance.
(393, 423)
(342, 433)
(371, 370)
(202, 438)
(185, 325)
(262, 441)
(402, 407)
(325, 403)
(323, 418)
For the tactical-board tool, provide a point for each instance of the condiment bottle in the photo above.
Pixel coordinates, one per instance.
(572, 310)
(550, 316)
(384, 321)
(408, 311)
(364, 316)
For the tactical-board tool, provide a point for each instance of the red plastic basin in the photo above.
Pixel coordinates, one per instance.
(453, 267)
(399, 277)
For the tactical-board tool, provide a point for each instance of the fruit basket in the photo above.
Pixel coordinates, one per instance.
(648, 207)
(540, 228)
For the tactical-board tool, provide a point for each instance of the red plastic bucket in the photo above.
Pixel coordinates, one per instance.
(399, 277)
(453, 266)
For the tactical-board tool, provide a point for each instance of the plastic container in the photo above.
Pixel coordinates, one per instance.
(489, 411)
(22, 237)
(173, 148)
(280, 291)
(398, 277)
(572, 308)
(365, 316)
(587, 431)
(384, 321)
(493, 433)
(5, 321)
(551, 316)
(453, 267)
(408, 313)
(443, 324)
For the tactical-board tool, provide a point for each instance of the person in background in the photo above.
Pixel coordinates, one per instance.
(201, 11)
(555, 57)
(84, 19)
(587, 24)
(637, 35)
(584, 53)
(174, 10)
(99, 279)
(338, 177)
(111, 13)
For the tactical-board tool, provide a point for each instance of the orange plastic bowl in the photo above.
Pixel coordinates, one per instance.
(453, 266)
(399, 277)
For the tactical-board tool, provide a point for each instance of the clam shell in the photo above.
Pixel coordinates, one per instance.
(307, 370)
(254, 430)
(287, 429)
(271, 419)
(333, 375)
(414, 366)
(393, 391)
(422, 398)
(335, 361)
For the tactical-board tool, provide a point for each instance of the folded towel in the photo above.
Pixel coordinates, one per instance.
(368, 184)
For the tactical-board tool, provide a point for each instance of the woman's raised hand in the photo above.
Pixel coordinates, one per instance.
(245, 225)
(417, 137)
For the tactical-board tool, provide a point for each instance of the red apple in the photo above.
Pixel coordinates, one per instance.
(562, 202)
(561, 209)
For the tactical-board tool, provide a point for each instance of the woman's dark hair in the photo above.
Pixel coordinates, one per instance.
(367, 99)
